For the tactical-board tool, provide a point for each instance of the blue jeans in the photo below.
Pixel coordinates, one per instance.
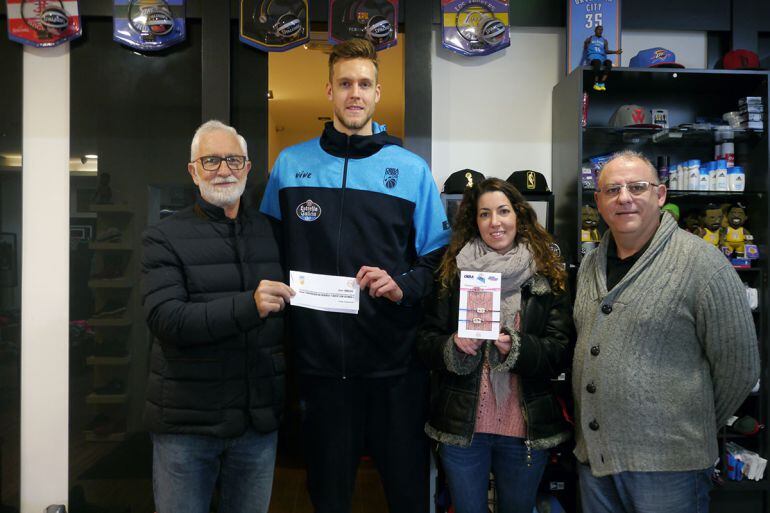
(645, 492)
(185, 469)
(467, 470)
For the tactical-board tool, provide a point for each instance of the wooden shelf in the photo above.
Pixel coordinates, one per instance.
(110, 208)
(110, 246)
(94, 398)
(744, 486)
(114, 283)
(111, 437)
(108, 360)
(120, 321)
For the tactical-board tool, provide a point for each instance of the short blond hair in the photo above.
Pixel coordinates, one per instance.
(353, 49)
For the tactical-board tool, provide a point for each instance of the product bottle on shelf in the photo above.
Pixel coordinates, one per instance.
(693, 175)
(722, 183)
(736, 179)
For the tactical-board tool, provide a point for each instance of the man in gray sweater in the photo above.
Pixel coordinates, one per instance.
(666, 352)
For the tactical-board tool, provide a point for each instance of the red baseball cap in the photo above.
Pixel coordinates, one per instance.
(740, 59)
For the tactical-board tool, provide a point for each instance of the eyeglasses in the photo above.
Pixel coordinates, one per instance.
(634, 188)
(212, 162)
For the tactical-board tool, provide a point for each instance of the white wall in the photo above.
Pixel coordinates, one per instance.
(689, 47)
(45, 278)
(493, 113)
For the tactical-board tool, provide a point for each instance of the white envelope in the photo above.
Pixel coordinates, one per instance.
(325, 292)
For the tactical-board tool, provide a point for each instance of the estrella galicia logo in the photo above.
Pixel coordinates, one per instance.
(391, 177)
(308, 210)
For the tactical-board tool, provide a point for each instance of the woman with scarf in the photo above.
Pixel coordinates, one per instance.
(493, 405)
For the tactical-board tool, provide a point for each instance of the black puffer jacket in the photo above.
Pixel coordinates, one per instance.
(540, 351)
(215, 367)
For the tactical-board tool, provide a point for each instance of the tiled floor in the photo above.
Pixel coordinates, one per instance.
(290, 493)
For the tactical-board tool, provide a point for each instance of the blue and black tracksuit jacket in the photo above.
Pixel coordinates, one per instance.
(347, 201)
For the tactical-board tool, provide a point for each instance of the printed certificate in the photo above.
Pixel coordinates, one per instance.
(324, 292)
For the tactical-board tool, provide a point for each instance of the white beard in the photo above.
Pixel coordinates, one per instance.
(222, 197)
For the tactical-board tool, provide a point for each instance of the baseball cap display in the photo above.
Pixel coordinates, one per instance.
(461, 180)
(747, 425)
(632, 116)
(529, 182)
(654, 58)
(740, 59)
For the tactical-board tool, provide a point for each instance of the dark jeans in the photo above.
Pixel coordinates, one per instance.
(382, 417)
(645, 492)
(599, 70)
(467, 470)
(185, 469)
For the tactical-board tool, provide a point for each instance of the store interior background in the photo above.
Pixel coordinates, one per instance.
(492, 114)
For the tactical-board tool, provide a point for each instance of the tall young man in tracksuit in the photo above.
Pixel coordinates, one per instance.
(355, 203)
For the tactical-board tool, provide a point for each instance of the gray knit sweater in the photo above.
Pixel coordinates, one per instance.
(670, 352)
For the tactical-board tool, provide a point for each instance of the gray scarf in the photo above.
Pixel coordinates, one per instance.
(516, 267)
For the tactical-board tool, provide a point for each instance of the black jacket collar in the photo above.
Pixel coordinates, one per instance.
(354, 146)
(208, 211)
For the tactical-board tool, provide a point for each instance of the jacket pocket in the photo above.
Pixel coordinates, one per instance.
(279, 363)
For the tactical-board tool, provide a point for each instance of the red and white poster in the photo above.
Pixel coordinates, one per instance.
(43, 23)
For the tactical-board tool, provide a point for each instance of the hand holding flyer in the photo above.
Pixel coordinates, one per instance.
(479, 315)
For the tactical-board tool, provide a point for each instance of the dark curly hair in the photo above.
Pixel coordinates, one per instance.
(527, 230)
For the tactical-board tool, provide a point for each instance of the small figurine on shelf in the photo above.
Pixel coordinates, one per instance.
(589, 232)
(736, 240)
(103, 193)
(691, 223)
(596, 49)
(671, 209)
(711, 222)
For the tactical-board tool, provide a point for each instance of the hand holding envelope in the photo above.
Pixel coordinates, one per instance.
(272, 296)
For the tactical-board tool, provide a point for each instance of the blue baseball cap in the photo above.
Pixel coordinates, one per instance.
(654, 58)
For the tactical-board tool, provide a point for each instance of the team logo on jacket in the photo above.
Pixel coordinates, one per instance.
(391, 177)
(308, 210)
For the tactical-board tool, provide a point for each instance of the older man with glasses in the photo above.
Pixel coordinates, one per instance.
(666, 352)
(213, 297)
